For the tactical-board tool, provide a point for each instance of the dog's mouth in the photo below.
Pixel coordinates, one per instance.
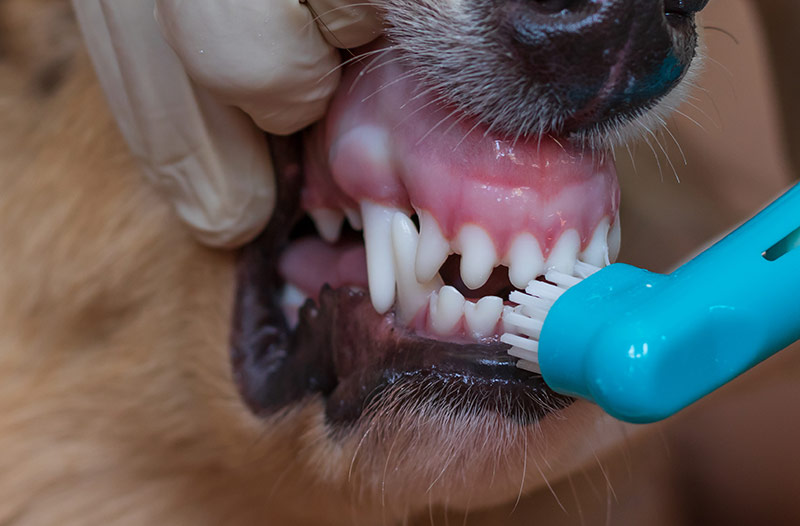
(410, 224)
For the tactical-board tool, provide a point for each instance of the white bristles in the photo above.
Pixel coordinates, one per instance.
(544, 290)
(584, 270)
(532, 367)
(524, 322)
(532, 346)
(564, 281)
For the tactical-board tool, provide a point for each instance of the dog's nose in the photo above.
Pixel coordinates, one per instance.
(600, 61)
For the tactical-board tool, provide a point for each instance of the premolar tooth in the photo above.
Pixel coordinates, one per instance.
(411, 295)
(564, 254)
(446, 310)
(478, 256)
(482, 317)
(328, 222)
(525, 260)
(614, 240)
(380, 255)
(354, 218)
(433, 248)
(597, 252)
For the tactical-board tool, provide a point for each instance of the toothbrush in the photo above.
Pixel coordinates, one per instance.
(643, 345)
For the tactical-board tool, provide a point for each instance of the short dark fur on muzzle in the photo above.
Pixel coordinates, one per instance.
(549, 66)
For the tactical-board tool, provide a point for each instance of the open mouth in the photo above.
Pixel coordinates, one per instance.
(402, 227)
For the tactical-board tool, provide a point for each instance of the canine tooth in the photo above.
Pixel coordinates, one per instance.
(597, 252)
(564, 254)
(482, 317)
(411, 295)
(614, 240)
(446, 310)
(380, 256)
(354, 218)
(478, 256)
(525, 260)
(433, 248)
(328, 222)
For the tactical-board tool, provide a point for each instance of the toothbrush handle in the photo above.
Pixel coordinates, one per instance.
(650, 345)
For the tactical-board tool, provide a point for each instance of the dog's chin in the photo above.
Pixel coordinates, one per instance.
(405, 460)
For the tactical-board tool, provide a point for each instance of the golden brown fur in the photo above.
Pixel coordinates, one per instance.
(117, 406)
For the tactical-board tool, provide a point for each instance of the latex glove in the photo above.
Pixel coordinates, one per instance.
(182, 76)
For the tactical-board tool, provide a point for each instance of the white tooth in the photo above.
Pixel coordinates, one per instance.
(478, 256)
(614, 240)
(597, 252)
(328, 222)
(354, 218)
(482, 317)
(411, 295)
(380, 257)
(433, 248)
(525, 260)
(446, 310)
(564, 254)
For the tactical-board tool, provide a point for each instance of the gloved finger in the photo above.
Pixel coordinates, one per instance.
(267, 57)
(209, 159)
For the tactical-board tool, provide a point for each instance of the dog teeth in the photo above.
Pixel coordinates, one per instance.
(478, 256)
(482, 317)
(525, 260)
(597, 252)
(433, 248)
(565, 252)
(380, 255)
(354, 218)
(614, 240)
(446, 310)
(411, 295)
(328, 222)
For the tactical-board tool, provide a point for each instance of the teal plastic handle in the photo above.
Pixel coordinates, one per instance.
(643, 346)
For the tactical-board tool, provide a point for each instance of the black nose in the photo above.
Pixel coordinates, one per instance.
(601, 61)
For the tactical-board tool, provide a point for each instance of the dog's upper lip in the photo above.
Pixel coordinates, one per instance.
(346, 351)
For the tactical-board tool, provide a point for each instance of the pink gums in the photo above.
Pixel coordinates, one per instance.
(388, 141)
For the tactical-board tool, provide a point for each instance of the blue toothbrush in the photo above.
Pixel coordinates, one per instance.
(643, 345)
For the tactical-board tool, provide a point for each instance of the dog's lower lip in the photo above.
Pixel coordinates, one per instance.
(345, 351)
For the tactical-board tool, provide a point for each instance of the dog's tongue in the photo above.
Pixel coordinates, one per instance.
(389, 141)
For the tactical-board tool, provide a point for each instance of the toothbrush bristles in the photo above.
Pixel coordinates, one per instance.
(532, 367)
(524, 322)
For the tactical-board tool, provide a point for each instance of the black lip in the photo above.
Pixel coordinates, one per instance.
(346, 352)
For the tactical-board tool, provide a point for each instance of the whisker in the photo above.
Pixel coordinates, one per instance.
(355, 58)
(675, 140)
(399, 79)
(361, 73)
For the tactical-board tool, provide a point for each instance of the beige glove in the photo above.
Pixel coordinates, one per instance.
(180, 107)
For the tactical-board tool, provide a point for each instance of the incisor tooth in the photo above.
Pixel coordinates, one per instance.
(411, 295)
(525, 260)
(597, 252)
(478, 256)
(446, 310)
(482, 317)
(380, 256)
(433, 248)
(564, 254)
(328, 222)
(614, 240)
(354, 218)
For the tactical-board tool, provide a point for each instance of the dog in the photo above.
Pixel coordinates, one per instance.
(121, 403)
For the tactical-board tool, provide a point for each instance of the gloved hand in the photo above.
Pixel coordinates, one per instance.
(189, 81)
